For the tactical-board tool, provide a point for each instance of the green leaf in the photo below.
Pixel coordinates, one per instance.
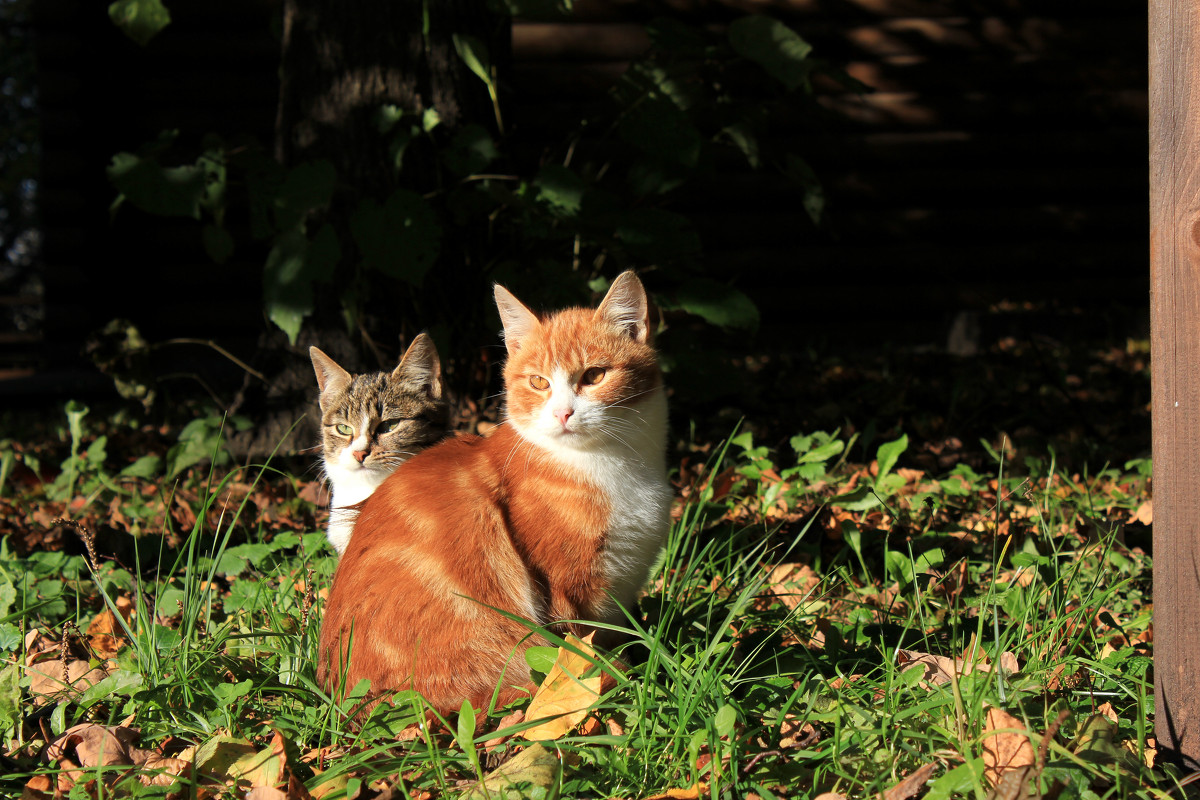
(155, 189)
(144, 467)
(474, 54)
(306, 187)
(715, 303)
(400, 238)
(957, 782)
(140, 20)
(887, 454)
(658, 127)
(822, 453)
(470, 151)
(293, 266)
(654, 234)
(798, 170)
(228, 693)
(541, 659)
(560, 188)
(724, 720)
(11, 708)
(466, 727)
(773, 46)
(745, 141)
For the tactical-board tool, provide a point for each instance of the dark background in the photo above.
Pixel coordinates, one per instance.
(987, 199)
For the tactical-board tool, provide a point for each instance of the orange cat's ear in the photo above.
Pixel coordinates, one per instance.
(331, 378)
(518, 320)
(420, 361)
(626, 306)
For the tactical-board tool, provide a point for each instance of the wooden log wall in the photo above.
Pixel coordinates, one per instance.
(1000, 157)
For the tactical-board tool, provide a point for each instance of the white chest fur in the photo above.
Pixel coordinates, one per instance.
(351, 485)
(630, 469)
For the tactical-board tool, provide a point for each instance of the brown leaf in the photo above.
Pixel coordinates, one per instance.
(691, 793)
(830, 796)
(792, 583)
(1004, 749)
(46, 679)
(564, 692)
(508, 720)
(105, 634)
(911, 785)
(1145, 513)
(796, 733)
(267, 767)
(940, 670)
(39, 787)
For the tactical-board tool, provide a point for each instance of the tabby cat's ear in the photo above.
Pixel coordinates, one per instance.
(626, 306)
(518, 320)
(331, 378)
(420, 362)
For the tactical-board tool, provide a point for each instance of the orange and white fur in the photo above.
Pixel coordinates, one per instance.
(558, 515)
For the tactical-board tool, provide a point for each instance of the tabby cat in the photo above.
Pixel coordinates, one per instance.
(557, 515)
(371, 423)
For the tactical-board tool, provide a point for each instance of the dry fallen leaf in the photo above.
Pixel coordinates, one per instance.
(691, 793)
(267, 767)
(105, 634)
(911, 785)
(564, 694)
(940, 670)
(830, 796)
(793, 584)
(1006, 745)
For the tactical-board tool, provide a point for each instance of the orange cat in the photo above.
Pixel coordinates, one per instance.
(557, 515)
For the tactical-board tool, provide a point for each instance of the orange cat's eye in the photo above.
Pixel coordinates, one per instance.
(539, 383)
(592, 376)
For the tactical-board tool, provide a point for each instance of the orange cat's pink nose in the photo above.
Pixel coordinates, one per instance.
(564, 414)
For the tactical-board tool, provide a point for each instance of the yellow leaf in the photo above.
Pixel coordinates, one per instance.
(565, 695)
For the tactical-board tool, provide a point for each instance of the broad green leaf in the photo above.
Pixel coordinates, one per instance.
(306, 187)
(293, 267)
(541, 659)
(745, 140)
(715, 303)
(470, 151)
(140, 20)
(957, 782)
(654, 234)
(888, 453)
(798, 170)
(930, 559)
(11, 708)
(822, 453)
(724, 720)
(155, 189)
(657, 126)
(400, 239)
(560, 188)
(228, 693)
(474, 54)
(76, 411)
(144, 467)
(465, 732)
(774, 46)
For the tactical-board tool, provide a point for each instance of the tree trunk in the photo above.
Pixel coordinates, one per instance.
(341, 62)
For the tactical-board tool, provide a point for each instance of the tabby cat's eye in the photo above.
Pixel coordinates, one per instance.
(592, 376)
(344, 429)
(539, 383)
(389, 425)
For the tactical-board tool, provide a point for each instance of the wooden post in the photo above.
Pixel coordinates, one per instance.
(1175, 348)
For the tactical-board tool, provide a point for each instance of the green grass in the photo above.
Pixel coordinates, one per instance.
(738, 679)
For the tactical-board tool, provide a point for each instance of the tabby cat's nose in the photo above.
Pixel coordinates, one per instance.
(360, 455)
